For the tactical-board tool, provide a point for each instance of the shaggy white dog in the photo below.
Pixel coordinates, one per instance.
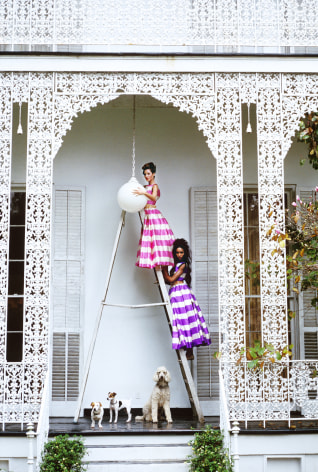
(160, 398)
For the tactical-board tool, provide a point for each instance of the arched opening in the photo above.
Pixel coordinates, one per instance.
(92, 164)
(300, 183)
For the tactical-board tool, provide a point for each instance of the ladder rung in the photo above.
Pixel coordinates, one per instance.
(135, 306)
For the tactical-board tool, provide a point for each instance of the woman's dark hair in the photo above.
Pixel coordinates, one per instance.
(149, 165)
(186, 257)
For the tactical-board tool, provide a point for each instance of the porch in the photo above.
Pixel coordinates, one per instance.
(140, 445)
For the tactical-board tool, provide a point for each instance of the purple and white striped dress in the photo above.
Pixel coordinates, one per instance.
(156, 240)
(188, 324)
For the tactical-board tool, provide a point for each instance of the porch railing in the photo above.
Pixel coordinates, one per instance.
(225, 425)
(44, 420)
(277, 391)
(224, 25)
(20, 395)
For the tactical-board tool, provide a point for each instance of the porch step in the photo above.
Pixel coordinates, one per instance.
(141, 453)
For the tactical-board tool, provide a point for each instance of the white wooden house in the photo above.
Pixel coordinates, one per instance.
(201, 72)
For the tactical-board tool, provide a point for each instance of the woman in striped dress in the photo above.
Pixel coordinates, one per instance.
(188, 325)
(156, 240)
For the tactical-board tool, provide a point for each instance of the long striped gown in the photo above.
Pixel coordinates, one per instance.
(156, 240)
(188, 324)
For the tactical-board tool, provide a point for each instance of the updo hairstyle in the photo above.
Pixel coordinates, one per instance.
(149, 165)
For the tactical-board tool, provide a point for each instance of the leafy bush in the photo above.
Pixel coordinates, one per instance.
(257, 355)
(308, 134)
(209, 454)
(302, 232)
(63, 455)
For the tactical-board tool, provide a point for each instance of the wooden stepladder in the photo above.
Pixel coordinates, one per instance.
(182, 360)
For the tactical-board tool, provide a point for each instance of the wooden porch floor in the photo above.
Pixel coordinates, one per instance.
(179, 426)
(183, 423)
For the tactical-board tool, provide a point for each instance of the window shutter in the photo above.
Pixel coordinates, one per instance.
(65, 369)
(67, 292)
(205, 284)
(58, 366)
(308, 315)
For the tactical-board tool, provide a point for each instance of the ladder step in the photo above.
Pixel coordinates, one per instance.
(134, 306)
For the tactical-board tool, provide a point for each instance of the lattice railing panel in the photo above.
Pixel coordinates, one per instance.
(273, 391)
(233, 23)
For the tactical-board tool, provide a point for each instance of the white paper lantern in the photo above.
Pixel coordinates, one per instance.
(127, 200)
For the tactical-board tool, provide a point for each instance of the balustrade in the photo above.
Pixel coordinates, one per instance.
(218, 26)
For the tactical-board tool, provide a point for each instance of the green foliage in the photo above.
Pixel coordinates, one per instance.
(208, 453)
(302, 228)
(302, 260)
(63, 455)
(257, 355)
(252, 271)
(308, 134)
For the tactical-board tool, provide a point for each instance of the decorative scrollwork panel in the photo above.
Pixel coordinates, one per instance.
(215, 102)
(271, 211)
(230, 215)
(5, 183)
(38, 230)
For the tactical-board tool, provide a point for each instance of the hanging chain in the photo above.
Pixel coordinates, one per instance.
(134, 137)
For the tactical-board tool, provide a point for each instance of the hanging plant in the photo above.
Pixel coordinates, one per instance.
(308, 134)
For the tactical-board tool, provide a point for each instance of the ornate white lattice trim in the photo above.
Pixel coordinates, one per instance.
(230, 215)
(231, 23)
(215, 101)
(271, 210)
(79, 92)
(5, 184)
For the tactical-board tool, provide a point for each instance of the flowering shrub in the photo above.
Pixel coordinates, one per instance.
(302, 231)
(63, 455)
(208, 453)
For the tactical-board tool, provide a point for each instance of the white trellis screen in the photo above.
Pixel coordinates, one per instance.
(215, 101)
(222, 23)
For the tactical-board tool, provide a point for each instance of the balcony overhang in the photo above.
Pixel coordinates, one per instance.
(75, 62)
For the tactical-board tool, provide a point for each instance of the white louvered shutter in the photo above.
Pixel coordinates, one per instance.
(67, 292)
(205, 284)
(308, 315)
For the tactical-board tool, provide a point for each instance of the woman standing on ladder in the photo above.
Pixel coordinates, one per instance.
(156, 240)
(188, 325)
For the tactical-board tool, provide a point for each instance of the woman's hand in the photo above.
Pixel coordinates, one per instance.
(139, 191)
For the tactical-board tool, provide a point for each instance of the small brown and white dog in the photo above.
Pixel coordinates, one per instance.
(160, 398)
(116, 405)
(97, 414)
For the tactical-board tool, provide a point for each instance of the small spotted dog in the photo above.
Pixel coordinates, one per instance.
(97, 414)
(116, 405)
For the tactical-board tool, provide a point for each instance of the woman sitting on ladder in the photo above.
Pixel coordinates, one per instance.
(188, 325)
(156, 240)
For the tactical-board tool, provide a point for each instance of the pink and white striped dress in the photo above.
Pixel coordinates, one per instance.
(156, 240)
